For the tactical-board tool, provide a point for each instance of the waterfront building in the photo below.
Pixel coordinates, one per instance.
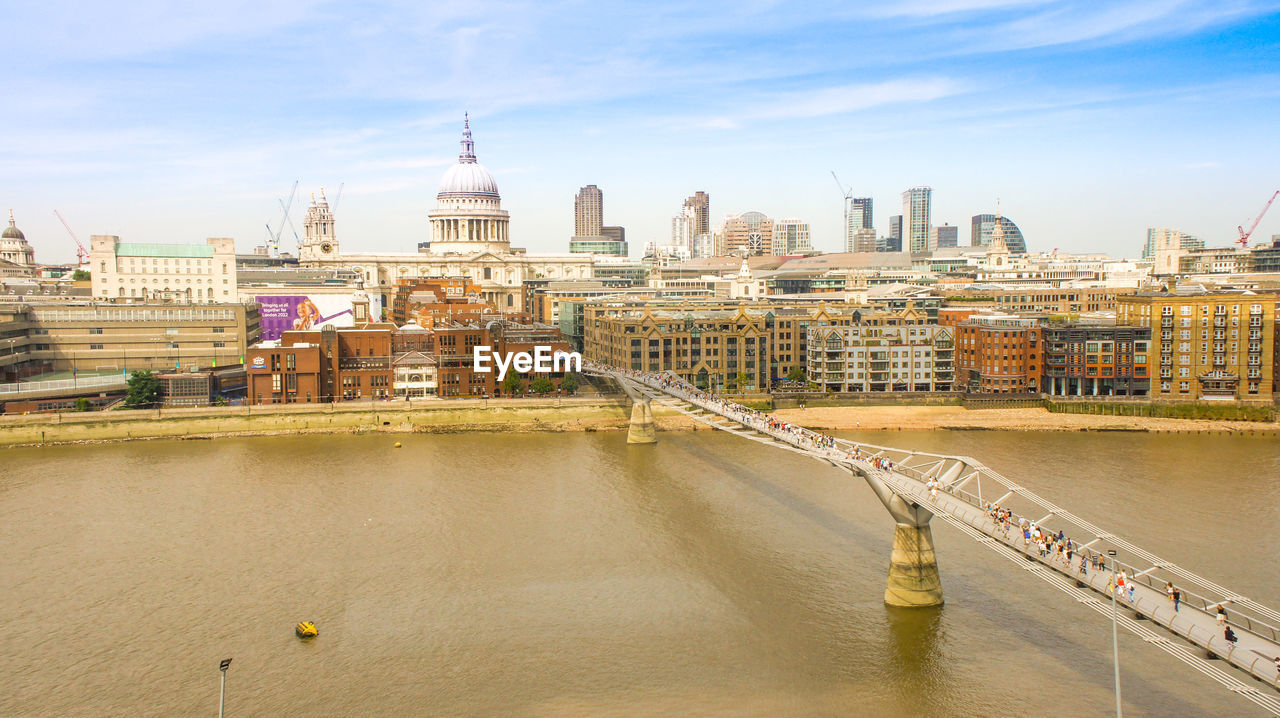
(894, 243)
(14, 248)
(998, 354)
(455, 355)
(881, 358)
(1095, 359)
(148, 272)
(99, 339)
(749, 233)
(414, 375)
(983, 227)
(790, 237)
(322, 365)
(714, 344)
(916, 218)
(1218, 344)
(944, 236)
(470, 238)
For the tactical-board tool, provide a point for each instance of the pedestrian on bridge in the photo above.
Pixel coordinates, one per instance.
(1222, 615)
(1177, 599)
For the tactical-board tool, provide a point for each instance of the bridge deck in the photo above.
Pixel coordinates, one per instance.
(1258, 640)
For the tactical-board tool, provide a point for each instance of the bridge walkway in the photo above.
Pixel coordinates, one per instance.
(1258, 642)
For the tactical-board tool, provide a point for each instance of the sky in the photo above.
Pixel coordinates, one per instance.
(1090, 121)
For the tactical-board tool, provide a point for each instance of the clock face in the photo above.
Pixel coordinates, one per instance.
(326, 248)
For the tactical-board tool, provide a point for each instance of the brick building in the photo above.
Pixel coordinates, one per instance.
(324, 365)
(1095, 360)
(999, 354)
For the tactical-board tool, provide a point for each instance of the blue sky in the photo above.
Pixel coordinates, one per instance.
(1091, 121)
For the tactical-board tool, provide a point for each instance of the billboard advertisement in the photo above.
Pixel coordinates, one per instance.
(285, 312)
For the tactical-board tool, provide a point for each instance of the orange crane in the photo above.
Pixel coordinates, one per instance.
(82, 254)
(1244, 236)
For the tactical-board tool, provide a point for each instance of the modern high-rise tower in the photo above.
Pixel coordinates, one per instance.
(588, 212)
(700, 206)
(916, 210)
(859, 218)
(983, 225)
(894, 243)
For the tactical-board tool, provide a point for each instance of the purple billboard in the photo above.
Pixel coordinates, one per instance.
(282, 313)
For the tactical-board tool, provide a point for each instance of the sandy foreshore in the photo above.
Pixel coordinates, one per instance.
(881, 418)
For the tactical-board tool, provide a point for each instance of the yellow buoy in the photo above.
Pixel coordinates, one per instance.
(397, 445)
(306, 629)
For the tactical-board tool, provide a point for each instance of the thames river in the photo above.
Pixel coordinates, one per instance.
(573, 575)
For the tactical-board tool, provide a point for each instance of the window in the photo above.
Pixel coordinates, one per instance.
(95, 330)
(95, 346)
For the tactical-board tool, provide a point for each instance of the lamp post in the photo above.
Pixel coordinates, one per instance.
(1115, 632)
(222, 687)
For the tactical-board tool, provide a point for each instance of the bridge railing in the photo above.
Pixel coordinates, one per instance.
(1151, 575)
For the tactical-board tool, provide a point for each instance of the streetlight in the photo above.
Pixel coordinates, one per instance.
(222, 689)
(1115, 634)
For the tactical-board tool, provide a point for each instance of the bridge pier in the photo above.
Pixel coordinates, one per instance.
(913, 565)
(642, 430)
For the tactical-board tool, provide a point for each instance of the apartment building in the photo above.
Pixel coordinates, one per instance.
(1095, 359)
(1218, 344)
(999, 354)
(881, 359)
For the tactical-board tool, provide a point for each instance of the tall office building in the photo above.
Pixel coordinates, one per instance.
(589, 236)
(947, 235)
(916, 215)
(894, 243)
(700, 206)
(1157, 235)
(588, 212)
(864, 240)
(684, 227)
(859, 211)
(749, 233)
(790, 237)
(982, 227)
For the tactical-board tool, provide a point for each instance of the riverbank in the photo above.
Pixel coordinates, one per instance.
(882, 418)
(538, 415)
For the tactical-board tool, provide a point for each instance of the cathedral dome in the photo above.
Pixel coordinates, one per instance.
(12, 231)
(468, 178)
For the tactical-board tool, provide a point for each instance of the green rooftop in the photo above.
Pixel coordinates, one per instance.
(142, 249)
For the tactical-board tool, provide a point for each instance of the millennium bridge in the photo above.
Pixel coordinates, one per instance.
(915, 486)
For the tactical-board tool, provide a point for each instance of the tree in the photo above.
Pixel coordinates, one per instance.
(543, 385)
(80, 275)
(512, 384)
(82, 404)
(796, 374)
(144, 390)
(569, 383)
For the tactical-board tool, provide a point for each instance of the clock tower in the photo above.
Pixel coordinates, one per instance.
(319, 239)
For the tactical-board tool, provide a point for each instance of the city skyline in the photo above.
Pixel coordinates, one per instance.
(1051, 106)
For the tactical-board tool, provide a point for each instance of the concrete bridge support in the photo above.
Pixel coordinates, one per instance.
(913, 566)
(641, 430)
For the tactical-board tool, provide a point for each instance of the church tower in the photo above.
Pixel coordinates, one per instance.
(319, 240)
(998, 251)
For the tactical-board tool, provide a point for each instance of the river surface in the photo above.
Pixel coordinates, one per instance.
(573, 575)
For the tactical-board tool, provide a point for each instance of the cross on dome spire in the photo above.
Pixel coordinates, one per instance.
(468, 154)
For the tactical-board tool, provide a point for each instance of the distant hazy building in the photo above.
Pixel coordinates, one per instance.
(700, 206)
(917, 218)
(683, 228)
(894, 243)
(749, 233)
(984, 224)
(864, 240)
(1171, 238)
(860, 217)
(14, 247)
(947, 235)
(704, 245)
(588, 212)
(790, 237)
(589, 235)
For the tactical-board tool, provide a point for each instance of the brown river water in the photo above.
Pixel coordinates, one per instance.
(573, 575)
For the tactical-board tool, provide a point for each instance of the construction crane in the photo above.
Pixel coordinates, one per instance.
(333, 206)
(273, 238)
(847, 194)
(1244, 236)
(82, 254)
